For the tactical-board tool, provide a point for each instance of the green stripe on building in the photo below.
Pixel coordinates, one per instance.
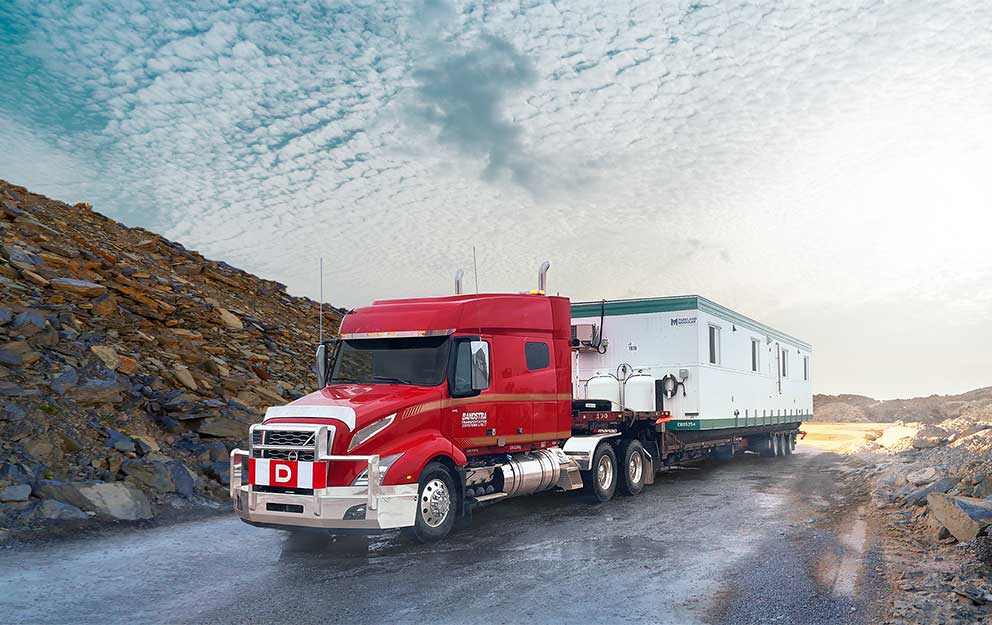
(739, 422)
(581, 310)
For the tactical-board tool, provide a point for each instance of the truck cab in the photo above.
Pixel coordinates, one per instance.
(425, 405)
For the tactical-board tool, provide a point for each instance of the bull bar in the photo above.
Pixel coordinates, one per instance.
(334, 507)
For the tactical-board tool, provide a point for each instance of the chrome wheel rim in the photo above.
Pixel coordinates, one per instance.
(435, 503)
(604, 473)
(635, 468)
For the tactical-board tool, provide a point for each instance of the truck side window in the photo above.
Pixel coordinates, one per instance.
(461, 382)
(538, 356)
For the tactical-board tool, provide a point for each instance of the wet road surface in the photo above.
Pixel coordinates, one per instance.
(751, 540)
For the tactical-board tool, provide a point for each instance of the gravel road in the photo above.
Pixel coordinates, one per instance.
(750, 540)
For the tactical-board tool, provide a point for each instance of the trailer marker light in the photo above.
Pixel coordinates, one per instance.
(409, 477)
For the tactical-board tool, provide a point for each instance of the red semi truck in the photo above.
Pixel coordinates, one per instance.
(430, 407)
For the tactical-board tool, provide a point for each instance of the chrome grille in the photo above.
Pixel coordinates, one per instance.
(284, 454)
(295, 443)
(283, 438)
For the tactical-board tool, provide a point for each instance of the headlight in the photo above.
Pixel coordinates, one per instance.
(384, 464)
(370, 430)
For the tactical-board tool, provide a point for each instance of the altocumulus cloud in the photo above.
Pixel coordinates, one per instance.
(765, 154)
(462, 97)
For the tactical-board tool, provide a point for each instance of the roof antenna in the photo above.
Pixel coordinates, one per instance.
(475, 267)
(320, 306)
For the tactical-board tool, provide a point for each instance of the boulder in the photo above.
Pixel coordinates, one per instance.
(919, 497)
(54, 510)
(964, 517)
(108, 355)
(6, 315)
(16, 492)
(117, 500)
(922, 476)
(78, 287)
(97, 392)
(169, 476)
(229, 319)
(185, 377)
(118, 441)
(221, 427)
(28, 323)
(18, 354)
(65, 381)
(127, 365)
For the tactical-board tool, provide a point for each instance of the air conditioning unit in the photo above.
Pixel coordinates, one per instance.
(585, 337)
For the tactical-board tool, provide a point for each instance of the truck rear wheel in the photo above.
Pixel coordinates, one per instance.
(632, 466)
(436, 504)
(601, 481)
(766, 446)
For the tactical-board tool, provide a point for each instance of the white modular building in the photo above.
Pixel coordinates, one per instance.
(710, 367)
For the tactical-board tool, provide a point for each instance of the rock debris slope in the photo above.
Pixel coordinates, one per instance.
(129, 366)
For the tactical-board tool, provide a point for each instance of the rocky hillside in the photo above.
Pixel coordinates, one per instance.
(974, 404)
(129, 366)
(932, 482)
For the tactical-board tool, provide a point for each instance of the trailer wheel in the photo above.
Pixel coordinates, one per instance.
(787, 444)
(792, 441)
(601, 481)
(436, 504)
(632, 466)
(777, 444)
(766, 446)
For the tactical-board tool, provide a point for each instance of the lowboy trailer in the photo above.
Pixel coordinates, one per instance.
(431, 407)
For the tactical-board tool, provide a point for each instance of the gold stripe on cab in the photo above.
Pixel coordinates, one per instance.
(516, 438)
(483, 399)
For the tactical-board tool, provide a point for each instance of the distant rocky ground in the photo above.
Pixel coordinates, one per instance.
(976, 404)
(129, 367)
(932, 487)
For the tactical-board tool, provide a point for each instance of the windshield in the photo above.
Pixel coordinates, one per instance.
(419, 361)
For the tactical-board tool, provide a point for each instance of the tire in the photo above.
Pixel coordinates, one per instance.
(631, 466)
(766, 446)
(601, 481)
(437, 503)
(777, 438)
(787, 444)
(792, 441)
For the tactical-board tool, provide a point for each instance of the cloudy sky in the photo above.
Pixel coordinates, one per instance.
(821, 166)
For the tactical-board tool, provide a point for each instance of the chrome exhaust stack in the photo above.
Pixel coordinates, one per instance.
(458, 281)
(542, 276)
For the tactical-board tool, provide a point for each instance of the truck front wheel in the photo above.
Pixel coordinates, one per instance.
(632, 466)
(436, 503)
(601, 480)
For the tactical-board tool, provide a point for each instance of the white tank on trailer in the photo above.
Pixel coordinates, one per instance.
(638, 393)
(603, 386)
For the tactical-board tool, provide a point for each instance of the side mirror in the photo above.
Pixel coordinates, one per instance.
(321, 365)
(480, 365)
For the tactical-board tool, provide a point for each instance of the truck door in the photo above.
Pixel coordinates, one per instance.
(496, 418)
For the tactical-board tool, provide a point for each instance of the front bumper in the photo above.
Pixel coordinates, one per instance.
(370, 508)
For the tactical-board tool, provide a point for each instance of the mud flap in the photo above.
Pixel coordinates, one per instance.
(648, 468)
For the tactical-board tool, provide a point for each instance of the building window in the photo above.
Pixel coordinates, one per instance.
(785, 364)
(714, 345)
(538, 356)
(755, 350)
(805, 367)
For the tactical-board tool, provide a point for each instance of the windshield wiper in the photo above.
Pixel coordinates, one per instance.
(347, 380)
(386, 378)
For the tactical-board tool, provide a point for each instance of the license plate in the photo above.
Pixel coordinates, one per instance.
(287, 473)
